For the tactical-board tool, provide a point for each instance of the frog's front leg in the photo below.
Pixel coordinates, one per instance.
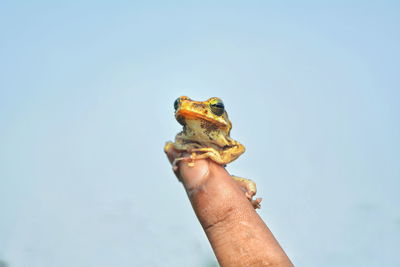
(207, 152)
(221, 157)
(170, 145)
(250, 190)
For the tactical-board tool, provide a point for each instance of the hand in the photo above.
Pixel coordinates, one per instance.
(236, 232)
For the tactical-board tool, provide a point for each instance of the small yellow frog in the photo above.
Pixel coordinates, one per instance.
(206, 134)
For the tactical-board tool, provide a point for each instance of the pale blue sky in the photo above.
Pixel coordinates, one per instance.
(86, 104)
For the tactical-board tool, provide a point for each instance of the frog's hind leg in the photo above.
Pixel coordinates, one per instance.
(250, 189)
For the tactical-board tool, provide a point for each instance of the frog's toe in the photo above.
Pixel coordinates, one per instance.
(175, 167)
(250, 194)
(175, 163)
(256, 203)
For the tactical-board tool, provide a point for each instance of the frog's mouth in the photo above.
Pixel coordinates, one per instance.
(183, 115)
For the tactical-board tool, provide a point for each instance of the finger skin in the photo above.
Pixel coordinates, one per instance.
(236, 232)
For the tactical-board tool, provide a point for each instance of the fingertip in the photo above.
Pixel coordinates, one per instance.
(195, 174)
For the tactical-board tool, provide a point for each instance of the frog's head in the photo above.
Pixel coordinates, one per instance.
(188, 111)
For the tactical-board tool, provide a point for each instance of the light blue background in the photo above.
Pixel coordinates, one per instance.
(86, 94)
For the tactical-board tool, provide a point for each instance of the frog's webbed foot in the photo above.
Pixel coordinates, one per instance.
(250, 190)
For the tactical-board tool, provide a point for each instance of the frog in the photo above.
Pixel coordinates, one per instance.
(206, 135)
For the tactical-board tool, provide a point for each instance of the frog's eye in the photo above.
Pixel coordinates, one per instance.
(176, 103)
(217, 107)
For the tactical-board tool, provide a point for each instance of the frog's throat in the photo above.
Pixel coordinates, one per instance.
(220, 144)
